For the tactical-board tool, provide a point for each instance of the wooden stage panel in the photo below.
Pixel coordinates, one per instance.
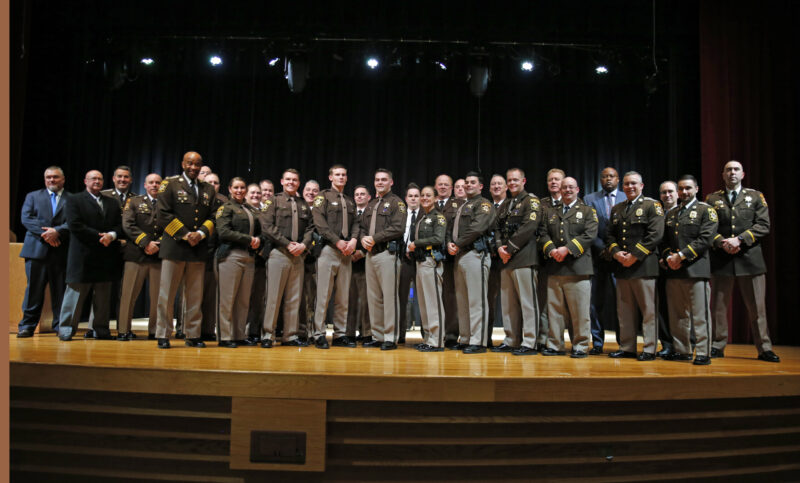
(107, 410)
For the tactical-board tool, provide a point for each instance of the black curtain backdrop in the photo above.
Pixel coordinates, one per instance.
(751, 113)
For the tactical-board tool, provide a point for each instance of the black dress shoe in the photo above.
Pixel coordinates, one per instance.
(622, 355)
(718, 353)
(450, 343)
(65, 337)
(540, 347)
(646, 356)
(429, 348)
(457, 347)
(266, 343)
(228, 343)
(123, 336)
(524, 351)
(596, 351)
(295, 343)
(303, 340)
(664, 353)
(769, 356)
(208, 337)
(401, 340)
(103, 336)
(321, 343)
(388, 346)
(372, 343)
(163, 344)
(24, 333)
(702, 361)
(151, 337)
(677, 356)
(197, 343)
(343, 342)
(578, 355)
(251, 341)
(180, 335)
(89, 334)
(552, 352)
(474, 349)
(504, 348)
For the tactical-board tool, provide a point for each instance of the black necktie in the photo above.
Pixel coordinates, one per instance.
(411, 228)
(360, 212)
(628, 207)
(566, 209)
(733, 197)
(441, 204)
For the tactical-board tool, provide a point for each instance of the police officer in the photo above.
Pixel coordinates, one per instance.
(634, 233)
(141, 257)
(334, 215)
(288, 224)
(737, 257)
(554, 178)
(426, 248)
(358, 312)
(566, 238)
(239, 234)
(499, 193)
(185, 213)
(381, 234)
(668, 193)
(447, 204)
(516, 239)
(470, 246)
(688, 234)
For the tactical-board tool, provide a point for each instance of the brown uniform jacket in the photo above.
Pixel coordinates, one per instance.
(233, 227)
(430, 231)
(748, 219)
(690, 233)
(180, 212)
(140, 226)
(327, 215)
(277, 221)
(575, 230)
(638, 230)
(517, 225)
(476, 219)
(391, 221)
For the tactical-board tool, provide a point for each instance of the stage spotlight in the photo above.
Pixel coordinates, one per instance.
(527, 66)
(478, 78)
(441, 65)
(297, 73)
(147, 61)
(273, 61)
(601, 70)
(372, 62)
(215, 60)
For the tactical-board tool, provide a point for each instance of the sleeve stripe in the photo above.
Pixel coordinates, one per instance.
(173, 227)
(718, 236)
(575, 241)
(613, 245)
(643, 249)
(692, 250)
(544, 248)
(751, 235)
(210, 225)
(139, 238)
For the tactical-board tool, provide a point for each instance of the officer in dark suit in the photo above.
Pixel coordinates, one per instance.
(635, 231)
(141, 257)
(498, 191)
(554, 178)
(185, 213)
(517, 225)
(688, 234)
(736, 257)
(408, 266)
(358, 313)
(448, 205)
(44, 249)
(94, 221)
(566, 237)
(668, 193)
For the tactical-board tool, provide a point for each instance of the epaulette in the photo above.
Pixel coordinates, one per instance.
(703, 203)
(719, 192)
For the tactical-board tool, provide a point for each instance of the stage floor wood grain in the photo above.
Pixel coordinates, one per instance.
(403, 374)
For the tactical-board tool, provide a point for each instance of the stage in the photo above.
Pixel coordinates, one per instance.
(109, 409)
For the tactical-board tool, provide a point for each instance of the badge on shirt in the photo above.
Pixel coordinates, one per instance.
(386, 205)
(579, 215)
(455, 205)
(182, 196)
(693, 214)
(428, 221)
(712, 214)
(748, 200)
(639, 212)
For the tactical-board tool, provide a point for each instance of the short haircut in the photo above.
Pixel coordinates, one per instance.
(474, 174)
(688, 177)
(336, 166)
(360, 186)
(290, 170)
(266, 181)
(412, 186)
(521, 172)
(384, 170)
(124, 168)
(497, 175)
(668, 181)
(235, 179)
(312, 181)
(55, 168)
(253, 185)
(633, 173)
(556, 170)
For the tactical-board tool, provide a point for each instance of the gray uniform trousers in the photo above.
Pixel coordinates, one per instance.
(74, 297)
(333, 270)
(233, 293)
(132, 282)
(568, 304)
(635, 295)
(753, 291)
(172, 273)
(383, 273)
(520, 306)
(284, 283)
(689, 308)
(429, 291)
(358, 311)
(541, 296)
(472, 279)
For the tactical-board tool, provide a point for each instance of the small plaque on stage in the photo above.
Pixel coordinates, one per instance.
(287, 447)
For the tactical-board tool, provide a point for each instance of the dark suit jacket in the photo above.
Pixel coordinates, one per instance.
(576, 230)
(748, 219)
(690, 233)
(36, 213)
(88, 260)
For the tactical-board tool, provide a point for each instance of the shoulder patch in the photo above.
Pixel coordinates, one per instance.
(163, 186)
(219, 211)
(712, 214)
(763, 200)
(401, 206)
(534, 203)
(127, 204)
(486, 207)
(594, 214)
(441, 220)
(319, 200)
(659, 209)
(267, 204)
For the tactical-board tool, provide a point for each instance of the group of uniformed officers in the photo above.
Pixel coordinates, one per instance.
(234, 262)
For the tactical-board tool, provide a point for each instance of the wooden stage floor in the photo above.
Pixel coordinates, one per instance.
(90, 410)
